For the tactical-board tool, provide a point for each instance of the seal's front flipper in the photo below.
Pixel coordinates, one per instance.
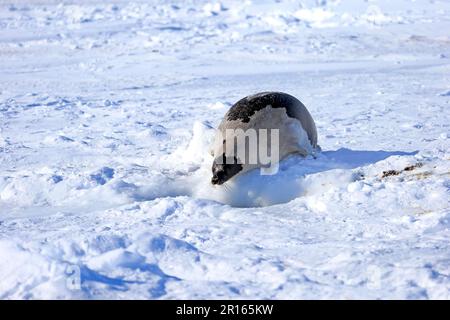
(316, 150)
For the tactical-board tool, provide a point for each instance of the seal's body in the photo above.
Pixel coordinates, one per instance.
(267, 110)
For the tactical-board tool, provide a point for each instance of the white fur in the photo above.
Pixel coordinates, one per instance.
(293, 137)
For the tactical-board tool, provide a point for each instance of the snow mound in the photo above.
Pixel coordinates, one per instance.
(297, 176)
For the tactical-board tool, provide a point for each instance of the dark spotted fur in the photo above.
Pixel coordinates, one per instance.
(248, 106)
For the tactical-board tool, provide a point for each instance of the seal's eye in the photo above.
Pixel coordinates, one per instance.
(221, 174)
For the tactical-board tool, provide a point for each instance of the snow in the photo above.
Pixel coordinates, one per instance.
(107, 112)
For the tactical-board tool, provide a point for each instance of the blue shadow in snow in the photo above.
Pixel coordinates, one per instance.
(120, 284)
(292, 181)
(357, 158)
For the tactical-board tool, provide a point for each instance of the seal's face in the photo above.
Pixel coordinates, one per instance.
(223, 169)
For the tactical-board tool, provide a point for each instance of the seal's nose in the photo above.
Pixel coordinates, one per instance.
(214, 180)
(218, 177)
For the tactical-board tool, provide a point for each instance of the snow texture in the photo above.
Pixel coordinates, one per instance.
(107, 110)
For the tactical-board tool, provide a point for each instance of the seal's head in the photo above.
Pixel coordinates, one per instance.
(224, 168)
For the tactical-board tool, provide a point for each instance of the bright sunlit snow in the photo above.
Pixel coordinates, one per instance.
(107, 112)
